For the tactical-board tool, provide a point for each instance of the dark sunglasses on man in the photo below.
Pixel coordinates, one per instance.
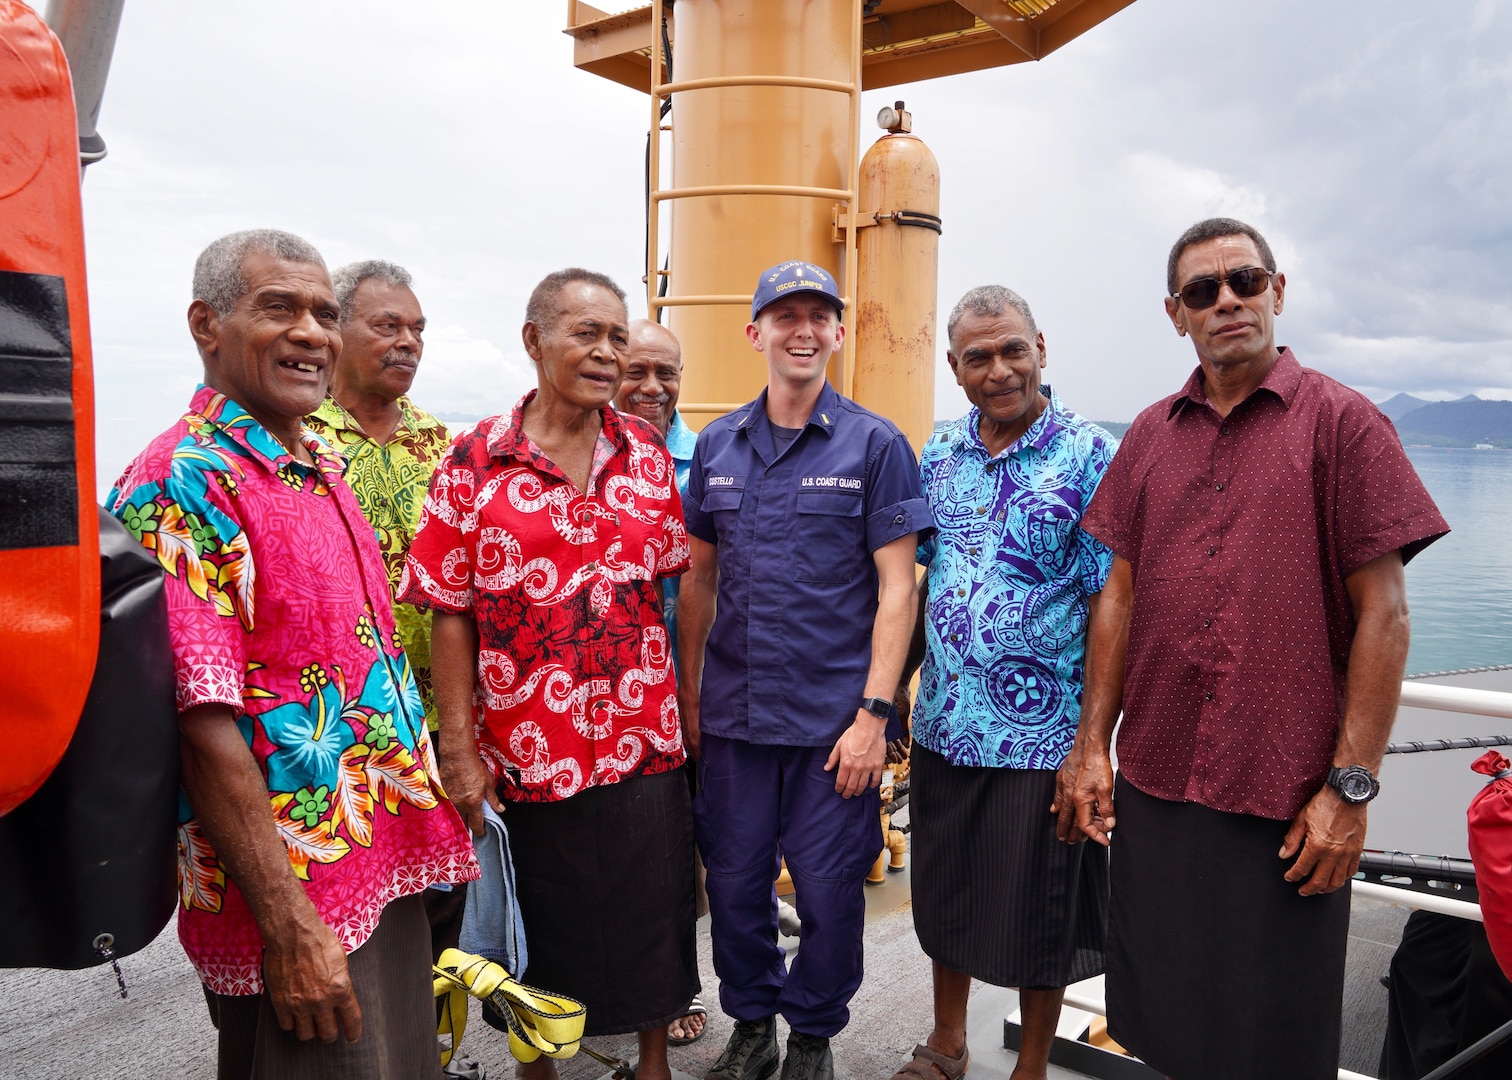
(1202, 293)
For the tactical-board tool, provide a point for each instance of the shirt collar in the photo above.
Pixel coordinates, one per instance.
(823, 416)
(222, 412)
(1282, 381)
(1038, 435)
(411, 419)
(508, 438)
(681, 439)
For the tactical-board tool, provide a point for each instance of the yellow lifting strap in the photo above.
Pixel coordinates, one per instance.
(539, 1023)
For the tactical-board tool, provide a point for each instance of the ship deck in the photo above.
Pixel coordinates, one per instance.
(55, 1023)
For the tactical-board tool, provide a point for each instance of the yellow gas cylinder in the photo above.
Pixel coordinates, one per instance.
(762, 140)
(898, 257)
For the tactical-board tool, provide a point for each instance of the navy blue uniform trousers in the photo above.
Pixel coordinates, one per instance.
(756, 805)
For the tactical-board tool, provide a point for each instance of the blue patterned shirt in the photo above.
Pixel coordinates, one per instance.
(680, 442)
(1009, 575)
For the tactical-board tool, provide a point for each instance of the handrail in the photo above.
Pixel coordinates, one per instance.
(1459, 699)
(703, 190)
(796, 82)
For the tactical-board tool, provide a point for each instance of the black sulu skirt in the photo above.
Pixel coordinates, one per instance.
(605, 882)
(1216, 965)
(995, 895)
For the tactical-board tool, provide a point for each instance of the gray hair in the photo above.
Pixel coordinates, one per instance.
(218, 277)
(544, 307)
(346, 279)
(1213, 229)
(988, 300)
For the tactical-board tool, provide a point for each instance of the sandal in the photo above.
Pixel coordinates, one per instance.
(695, 1008)
(929, 1064)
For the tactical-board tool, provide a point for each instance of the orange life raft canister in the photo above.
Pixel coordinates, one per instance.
(49, 538)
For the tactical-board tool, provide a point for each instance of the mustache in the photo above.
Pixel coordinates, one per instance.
(649, 399)
(395, 357)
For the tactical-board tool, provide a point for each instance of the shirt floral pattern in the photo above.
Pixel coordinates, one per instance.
(390, 481)
(575, 682)
(278, 608)
(1009, 575)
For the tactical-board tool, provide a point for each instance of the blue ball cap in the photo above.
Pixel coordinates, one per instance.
(788, 278)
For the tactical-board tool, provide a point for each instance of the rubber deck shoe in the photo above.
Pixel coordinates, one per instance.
(808, 1058)
(751, 1053)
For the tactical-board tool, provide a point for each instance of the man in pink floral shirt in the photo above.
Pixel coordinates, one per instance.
(314, 816)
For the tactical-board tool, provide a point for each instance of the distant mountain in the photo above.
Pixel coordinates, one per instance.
(1399, 406)
(1466, 422)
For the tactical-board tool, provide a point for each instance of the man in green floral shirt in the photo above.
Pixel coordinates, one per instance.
(391, 446)
(391, 449)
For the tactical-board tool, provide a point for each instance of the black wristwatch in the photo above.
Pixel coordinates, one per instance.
(1355, 783)
(879, 707)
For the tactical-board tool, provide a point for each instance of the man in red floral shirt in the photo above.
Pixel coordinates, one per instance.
(539, 551)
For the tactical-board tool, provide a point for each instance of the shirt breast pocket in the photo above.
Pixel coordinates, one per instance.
(723, 504)
(828, 535)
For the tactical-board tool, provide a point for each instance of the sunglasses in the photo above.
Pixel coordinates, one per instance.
(1203, 292)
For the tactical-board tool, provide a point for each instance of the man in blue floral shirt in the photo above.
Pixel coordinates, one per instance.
(1002, 636)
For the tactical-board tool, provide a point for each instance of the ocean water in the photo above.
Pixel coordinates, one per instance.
(1460, 589)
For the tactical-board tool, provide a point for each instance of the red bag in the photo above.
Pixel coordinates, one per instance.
(1490, 822)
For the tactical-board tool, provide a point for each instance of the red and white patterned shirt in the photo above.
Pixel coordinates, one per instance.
(575, 682)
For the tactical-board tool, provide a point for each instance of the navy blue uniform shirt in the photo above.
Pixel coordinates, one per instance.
(789, 652)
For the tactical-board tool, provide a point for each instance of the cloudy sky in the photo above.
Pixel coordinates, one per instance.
(1371, 140)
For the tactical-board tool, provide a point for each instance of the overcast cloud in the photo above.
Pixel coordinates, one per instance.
(1371, 142)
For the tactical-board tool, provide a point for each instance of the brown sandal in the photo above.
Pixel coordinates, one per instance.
(929, 1064)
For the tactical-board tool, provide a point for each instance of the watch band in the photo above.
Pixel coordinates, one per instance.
(879, 707)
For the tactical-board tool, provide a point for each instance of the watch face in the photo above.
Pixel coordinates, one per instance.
(1355, 784)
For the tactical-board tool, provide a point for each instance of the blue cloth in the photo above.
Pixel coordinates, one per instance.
(790, 648)
(680, 442)
(1009, 575)
(491, 925)
(754, 802)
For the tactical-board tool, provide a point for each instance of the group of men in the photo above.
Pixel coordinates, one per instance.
(577, 599)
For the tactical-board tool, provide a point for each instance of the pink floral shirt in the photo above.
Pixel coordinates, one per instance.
(278, 606)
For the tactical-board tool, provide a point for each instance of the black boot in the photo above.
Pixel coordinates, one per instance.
(808, 1058)
(751, 1053)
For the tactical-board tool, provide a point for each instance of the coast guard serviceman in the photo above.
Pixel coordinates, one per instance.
(804, 511)
(1254, 630)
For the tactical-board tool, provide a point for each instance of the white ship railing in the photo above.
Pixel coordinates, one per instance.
(1087, 997)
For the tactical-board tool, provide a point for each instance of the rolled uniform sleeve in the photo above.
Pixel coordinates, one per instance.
(895, 504)
(700, 523)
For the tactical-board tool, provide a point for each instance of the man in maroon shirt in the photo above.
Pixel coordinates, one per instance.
(1254, 632)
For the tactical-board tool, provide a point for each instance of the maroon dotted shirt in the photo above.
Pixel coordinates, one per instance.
(1241, 531)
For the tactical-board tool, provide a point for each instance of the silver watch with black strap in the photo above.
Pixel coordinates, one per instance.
(1355, 783)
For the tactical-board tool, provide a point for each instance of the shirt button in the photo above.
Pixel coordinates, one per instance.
(1220, 485)
(898, 520)
(960, 592)
(1224, 430)
(1212, 551)
(1208, 695)
(981, 510)
(976, 551)
(955, 637)
(955, 676)
(1207, 622)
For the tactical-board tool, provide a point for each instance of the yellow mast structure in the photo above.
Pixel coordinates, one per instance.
(765, 166)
